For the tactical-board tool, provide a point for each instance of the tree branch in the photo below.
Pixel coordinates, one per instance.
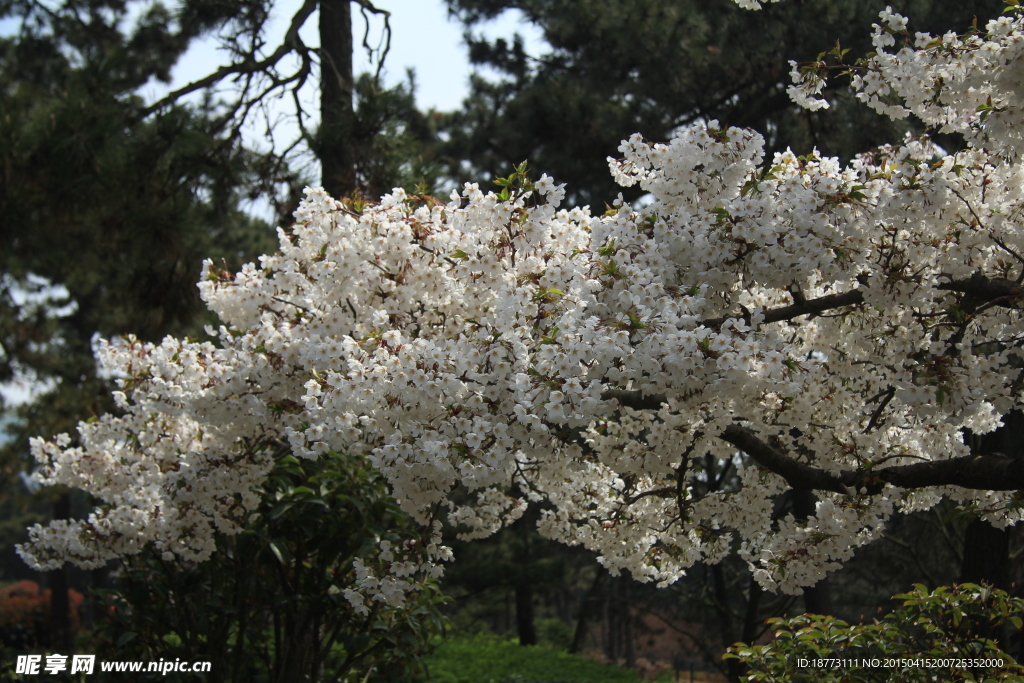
(986, 290)
(249, 65)
(797, 474)
(367, 6)
(992, 472)
(805, 307)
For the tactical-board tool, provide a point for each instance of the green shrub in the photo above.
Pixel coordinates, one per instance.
(489, 659)
(945, 635)
(269, 605)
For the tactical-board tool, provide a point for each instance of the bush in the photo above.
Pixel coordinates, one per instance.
(270, 605)
(949, 634)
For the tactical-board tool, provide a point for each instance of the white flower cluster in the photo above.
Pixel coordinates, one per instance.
(403, 575)
(492, 344)
(752, 4)
(970, 84)
(808, 86)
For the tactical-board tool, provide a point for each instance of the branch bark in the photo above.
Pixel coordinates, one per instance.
(990, 472)
(997, 291)
(983, 290)
(805, 307)
(337, 116)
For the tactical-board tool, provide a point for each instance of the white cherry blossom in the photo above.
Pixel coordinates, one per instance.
(841, 326)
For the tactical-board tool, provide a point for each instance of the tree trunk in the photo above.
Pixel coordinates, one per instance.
(611, 623)
(986, 555)
(524, 613)
(579, 635)
(751, 621)
(626, 619)
(817, 598)
(60, 607)
(726, 620)
(302, 641)
(335, 144)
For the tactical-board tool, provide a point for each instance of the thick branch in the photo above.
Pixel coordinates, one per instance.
(985, 289)
(796, 473)
(805, 307)
(995, 291)
(992, 472)
(634, 399)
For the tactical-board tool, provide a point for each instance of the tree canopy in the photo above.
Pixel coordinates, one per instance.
(805, 324)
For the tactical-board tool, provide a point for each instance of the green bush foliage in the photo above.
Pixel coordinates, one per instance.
(949, 634)
(269, 605)
(488, 659)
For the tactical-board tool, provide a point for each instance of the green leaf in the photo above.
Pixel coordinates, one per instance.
(280, 509)
(281, 552)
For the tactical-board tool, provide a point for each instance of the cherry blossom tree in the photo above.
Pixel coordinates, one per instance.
(791, 322)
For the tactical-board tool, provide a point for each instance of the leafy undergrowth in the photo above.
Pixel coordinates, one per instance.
(489, 659)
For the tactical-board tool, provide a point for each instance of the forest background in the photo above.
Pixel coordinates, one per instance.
(112, 195)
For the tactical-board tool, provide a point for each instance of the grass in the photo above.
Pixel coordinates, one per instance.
(489, 659)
